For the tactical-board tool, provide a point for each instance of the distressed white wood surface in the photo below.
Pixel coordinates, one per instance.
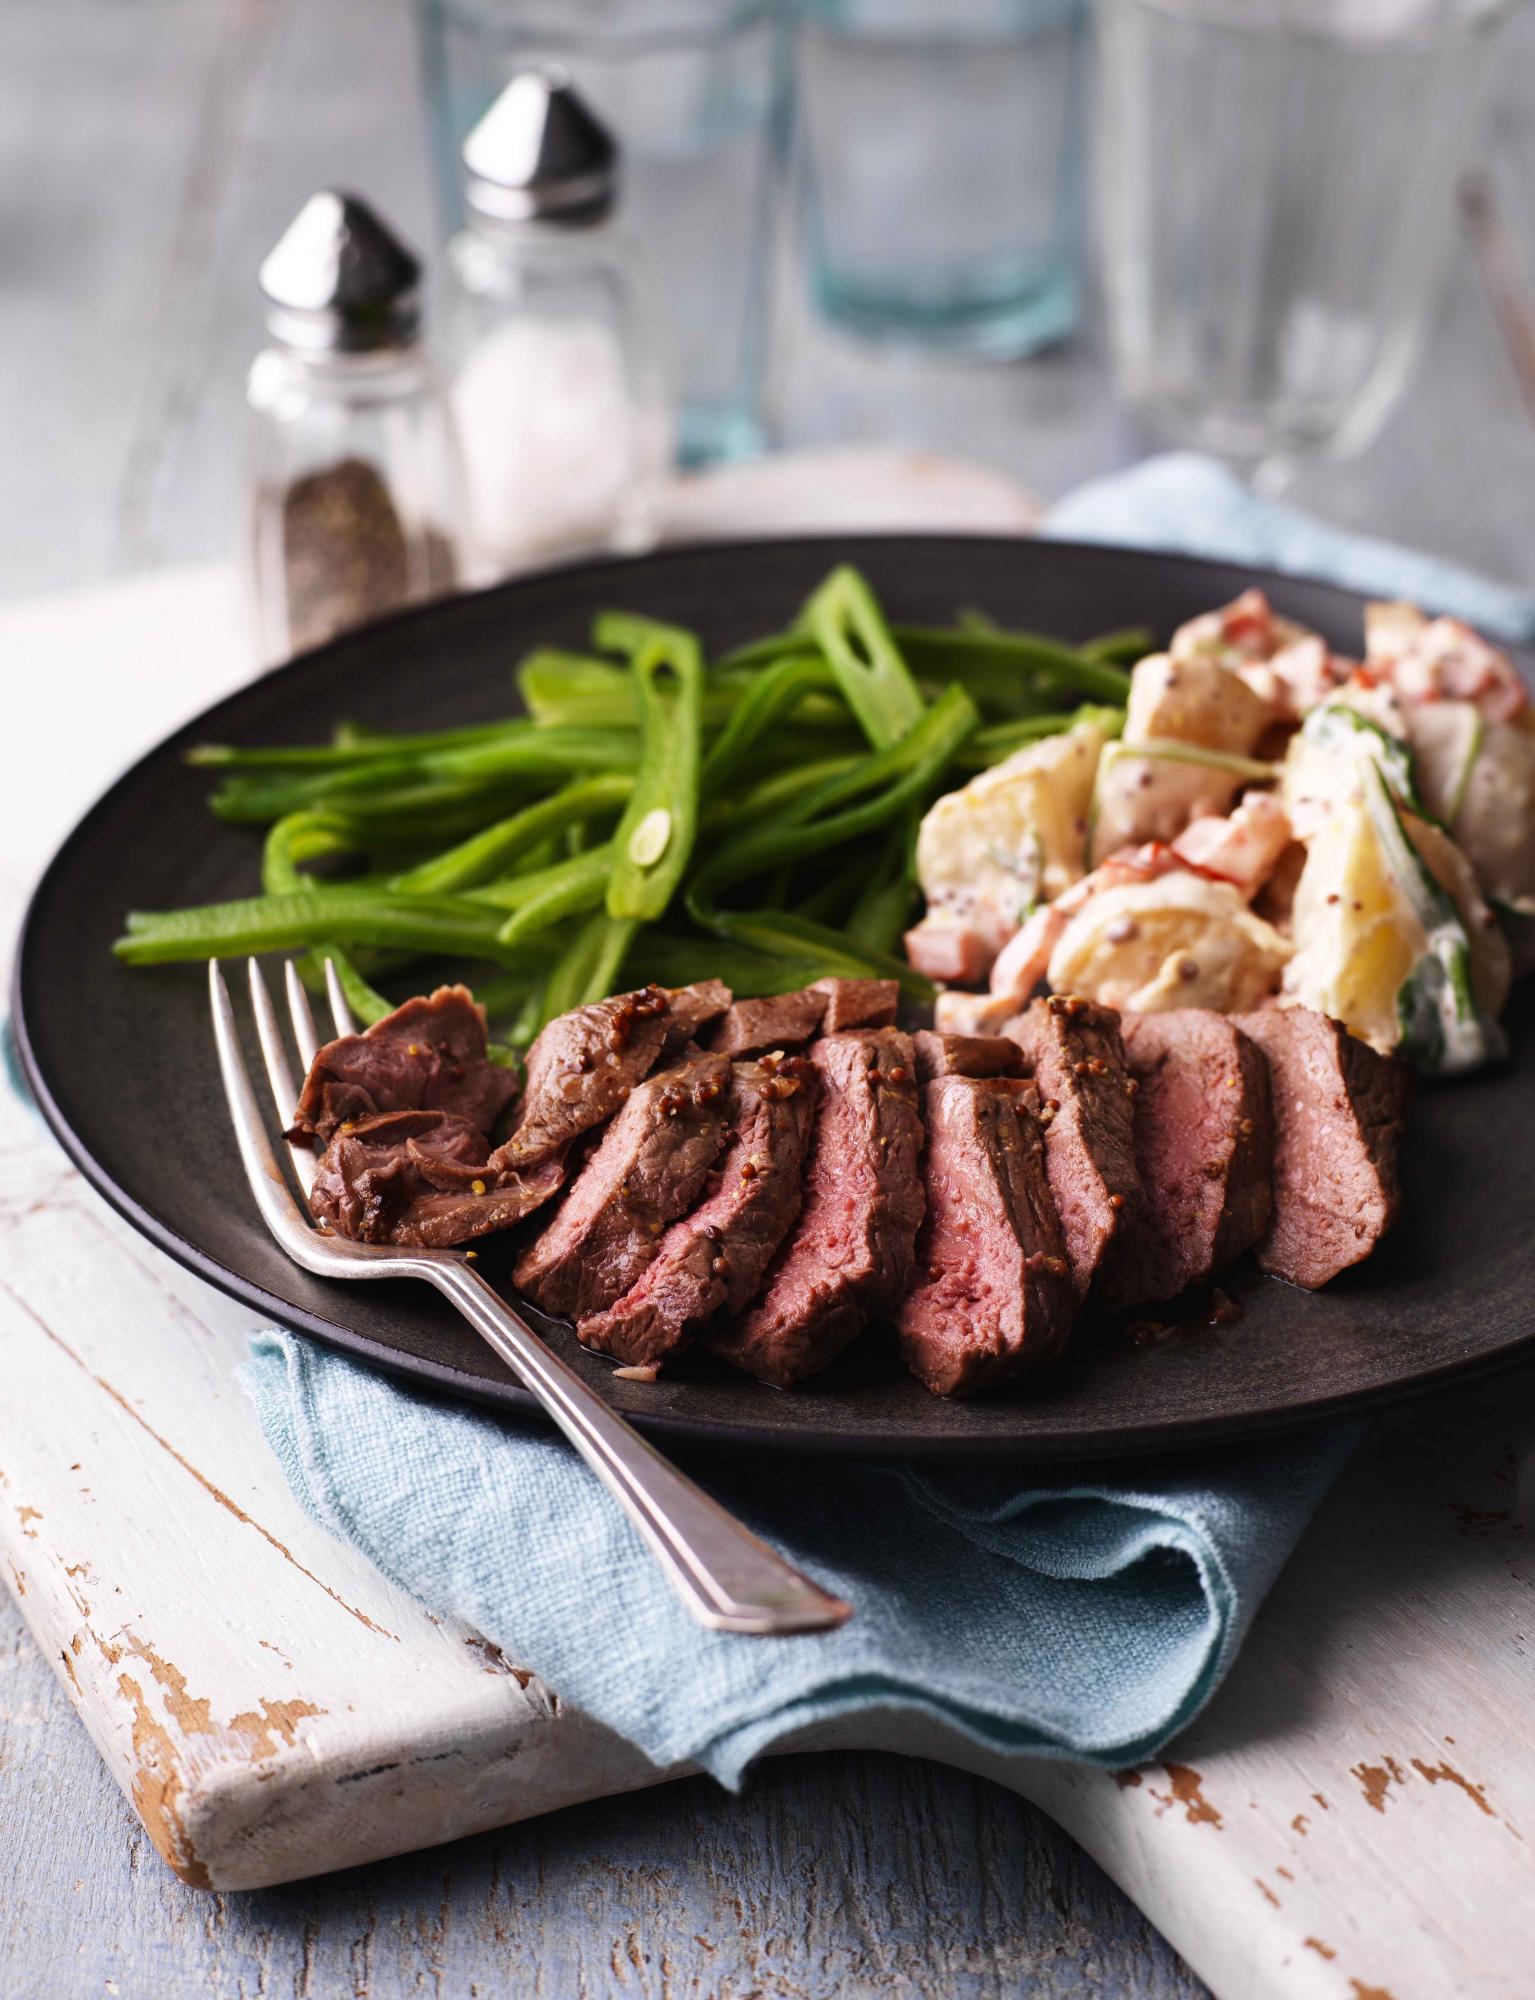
(1354, 1817)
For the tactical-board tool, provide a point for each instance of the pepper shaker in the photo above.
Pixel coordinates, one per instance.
(357, 484)
(561, 385)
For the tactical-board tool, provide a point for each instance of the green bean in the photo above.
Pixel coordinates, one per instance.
(768, 794)
(613, 943)
(677, 958)
(353, 748)
(569, 889)
(771, 696)
(838, 889)
(298, 838)
(654, 840)
(883, 909)
(542, 753)
(305, 837)
(1124, 648)
(485, 855)
(768, 652)
(781, 934)
(1008, 671)
(570, 688)
(594, 955)
(998, 740)
(755, 849)
(365, 1001)
(314, 917)
(935, 740)
(847, 623)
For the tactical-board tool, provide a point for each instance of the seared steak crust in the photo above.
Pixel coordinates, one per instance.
(584, 1064)
(858, 1003)
(852, 1252)
(420, 1178)
(965, 1055)
(1077, 1057)
(994, 1293)
(1203, 1140)
(650, 1167)
(428, 1055)
(713, 1260)
(1338, 1112)
(777, 1021)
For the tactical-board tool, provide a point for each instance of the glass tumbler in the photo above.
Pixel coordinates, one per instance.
(695, 91)
(939, 162)
(1276, 195)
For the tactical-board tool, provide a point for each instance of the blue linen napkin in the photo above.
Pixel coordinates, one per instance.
(1038, 1616)
(1191, 504)
(1054, 1617)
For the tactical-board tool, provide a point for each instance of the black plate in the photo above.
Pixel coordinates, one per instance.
(123, 1066)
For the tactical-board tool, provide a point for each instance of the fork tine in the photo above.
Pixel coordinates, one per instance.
(301, 1016)
(268, 1183)
(340, 1006)
(279, 1075)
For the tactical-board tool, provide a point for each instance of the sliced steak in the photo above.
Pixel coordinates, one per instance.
(994, 1295)
(1338, 1111)
(858, 1003)
(420, 1178)
(650, 1167)
(429, 1055)
(965, 1055)
(851, 1253)
(692, 1010)
(1074, 1050)
(1203, 1142)
(713, 1259)
(777, 1021)
(585, 1063)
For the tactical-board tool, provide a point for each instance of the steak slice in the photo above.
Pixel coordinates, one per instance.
(965, 1055)
(777, 1021)
(852, 1251)
(650, 1167)
(714, 1259)
(1203, 1142)
(585, 1063)
(858, 1003)
(692, 1009)
(429, 1055)
(1338, 1111)
(419, 1178)
(1074, 1049)
(994, 1293)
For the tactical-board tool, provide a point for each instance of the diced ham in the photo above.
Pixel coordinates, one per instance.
(1242, 847)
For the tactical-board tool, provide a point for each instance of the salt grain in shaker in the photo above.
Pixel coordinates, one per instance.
(358, 500)
(560, 386)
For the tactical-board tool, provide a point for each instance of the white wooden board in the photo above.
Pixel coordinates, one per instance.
(1354, 1818)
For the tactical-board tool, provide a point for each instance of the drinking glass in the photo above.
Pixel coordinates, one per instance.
(695, 91)
(1276, 194)
(939, 156)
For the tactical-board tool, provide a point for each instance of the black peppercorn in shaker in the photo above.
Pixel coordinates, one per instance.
(357, 504)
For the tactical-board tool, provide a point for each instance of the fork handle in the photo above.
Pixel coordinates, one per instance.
(727, 1578)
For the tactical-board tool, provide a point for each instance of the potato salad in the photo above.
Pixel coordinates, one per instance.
(1276, 823)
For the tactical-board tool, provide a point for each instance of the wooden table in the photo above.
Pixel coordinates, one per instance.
(151, 154)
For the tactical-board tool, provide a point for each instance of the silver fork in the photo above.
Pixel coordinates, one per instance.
(727, 1578)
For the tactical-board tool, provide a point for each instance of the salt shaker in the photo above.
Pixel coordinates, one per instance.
(358, 503)
(560, 382)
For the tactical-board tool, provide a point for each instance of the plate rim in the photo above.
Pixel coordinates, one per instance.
(1160, 1439)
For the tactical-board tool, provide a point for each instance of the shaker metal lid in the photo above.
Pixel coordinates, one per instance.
(340, 280)
(540, 154)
